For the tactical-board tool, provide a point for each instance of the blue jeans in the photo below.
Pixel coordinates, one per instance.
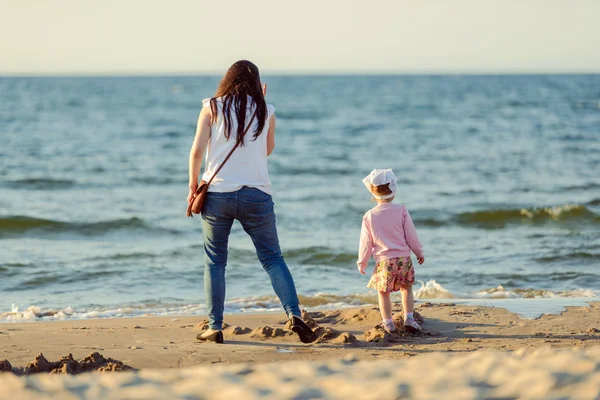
(254, 209)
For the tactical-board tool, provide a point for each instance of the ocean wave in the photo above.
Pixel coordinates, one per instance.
(44, 280)
(574, 256)
(312, 170)
(159, 180)
(586, 104)
(434, 290)
(301, 115)
(586, 186)
(17, 225)
(260, 304)
(523, 104)
(39, 184)
(469, 192)
(323, 256)
(494, 219)
(501, 218)
(429, 222)
(499, 292)
(35, 313)
(169, 133)
(595, 202)
(125, 256)
(12, 269)
(356, 128)
(320, 256)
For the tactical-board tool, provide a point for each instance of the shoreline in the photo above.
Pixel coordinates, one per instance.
(524, 307)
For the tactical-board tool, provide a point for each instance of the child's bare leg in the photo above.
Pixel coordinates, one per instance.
(408, 305)
(385, 305)
(407, 299)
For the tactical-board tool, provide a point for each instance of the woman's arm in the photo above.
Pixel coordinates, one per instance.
(271, 136)
(198, 148)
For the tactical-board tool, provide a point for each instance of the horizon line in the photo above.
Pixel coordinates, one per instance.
(128, 74)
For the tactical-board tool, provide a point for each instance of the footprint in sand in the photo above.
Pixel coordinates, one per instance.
(267, 332)
(330, 335)
(315, 318)
(237, 330)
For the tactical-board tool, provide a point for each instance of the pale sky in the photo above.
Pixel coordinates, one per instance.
(306, 36)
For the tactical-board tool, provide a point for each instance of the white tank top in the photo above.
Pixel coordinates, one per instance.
(247, 166)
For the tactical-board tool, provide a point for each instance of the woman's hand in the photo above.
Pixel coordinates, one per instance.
(421, 260)
(361, 269)
(192, 193)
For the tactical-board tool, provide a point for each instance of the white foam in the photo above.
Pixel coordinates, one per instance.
(553, 212)
(527, 303)
(432, 290)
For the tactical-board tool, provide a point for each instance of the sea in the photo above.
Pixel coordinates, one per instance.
(501, 175)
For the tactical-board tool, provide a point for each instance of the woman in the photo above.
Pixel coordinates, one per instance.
(241, 190)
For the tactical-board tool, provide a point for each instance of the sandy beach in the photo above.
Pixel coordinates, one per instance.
(464, 352)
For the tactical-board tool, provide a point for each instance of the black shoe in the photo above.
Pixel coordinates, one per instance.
(304, 332)
(216, 336)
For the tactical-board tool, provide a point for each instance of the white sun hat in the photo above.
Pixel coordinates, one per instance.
(379, 177)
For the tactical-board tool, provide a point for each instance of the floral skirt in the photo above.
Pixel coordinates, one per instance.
(390, 274)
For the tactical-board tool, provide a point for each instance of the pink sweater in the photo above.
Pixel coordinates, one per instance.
(387, 232)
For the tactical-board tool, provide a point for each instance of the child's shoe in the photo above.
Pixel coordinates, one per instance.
(411, 325)
(389, 326)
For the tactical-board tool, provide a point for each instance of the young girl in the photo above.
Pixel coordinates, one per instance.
(389, 235)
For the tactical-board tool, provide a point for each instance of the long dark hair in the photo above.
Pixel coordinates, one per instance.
(241, 80)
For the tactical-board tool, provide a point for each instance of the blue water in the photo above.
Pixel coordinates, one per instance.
(500, 173)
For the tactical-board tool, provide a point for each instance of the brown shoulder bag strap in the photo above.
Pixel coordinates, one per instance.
(239, 140)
